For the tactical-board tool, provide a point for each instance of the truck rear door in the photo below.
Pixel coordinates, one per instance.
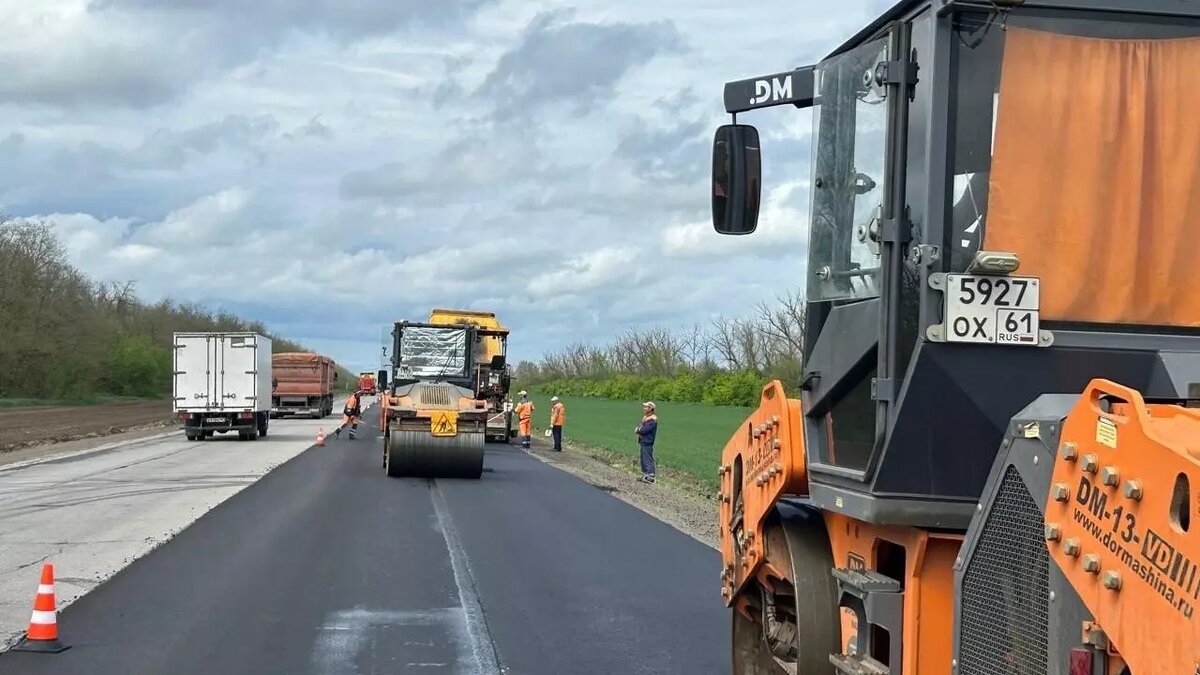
(236, 385)
(194, 372)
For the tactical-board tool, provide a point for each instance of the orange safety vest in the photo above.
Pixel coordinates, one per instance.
(525, 410)
(558, 415)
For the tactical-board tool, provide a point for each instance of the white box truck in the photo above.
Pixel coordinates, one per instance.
(222, 383)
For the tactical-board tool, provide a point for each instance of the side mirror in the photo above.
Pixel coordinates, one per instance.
(736, 179)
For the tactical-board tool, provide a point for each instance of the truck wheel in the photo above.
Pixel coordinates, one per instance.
(191, 436)
(262, 430)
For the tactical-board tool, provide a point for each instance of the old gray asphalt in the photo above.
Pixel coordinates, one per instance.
(326, 566)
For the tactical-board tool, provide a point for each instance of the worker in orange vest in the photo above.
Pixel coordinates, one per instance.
(558, 416)
(350, 415)
(524, 412)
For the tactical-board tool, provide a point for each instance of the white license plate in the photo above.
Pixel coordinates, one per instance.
(215, 420)
(992, 309)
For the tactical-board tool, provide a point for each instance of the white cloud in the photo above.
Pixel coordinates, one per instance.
(333, 170)
(782, 227)
(608, 267)
(208, 222)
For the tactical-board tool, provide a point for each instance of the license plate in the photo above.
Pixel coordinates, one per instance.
(992, 309)
(215, 420)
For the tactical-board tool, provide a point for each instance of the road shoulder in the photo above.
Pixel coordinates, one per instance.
(82, 445)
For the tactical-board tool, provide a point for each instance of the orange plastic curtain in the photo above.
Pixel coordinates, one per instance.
(1095, 179)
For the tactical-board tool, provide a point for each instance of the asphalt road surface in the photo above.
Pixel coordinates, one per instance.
(326, 566)
(93, 510)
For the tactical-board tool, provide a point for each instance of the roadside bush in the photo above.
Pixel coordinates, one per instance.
(739, 388)
(137, 367)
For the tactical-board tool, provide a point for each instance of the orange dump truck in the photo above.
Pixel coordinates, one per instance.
(367, 382)
(302, 384)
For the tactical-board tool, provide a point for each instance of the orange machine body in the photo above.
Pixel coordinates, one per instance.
(405, 410)
(1118, 518)
(764, 462)
(1118, 521)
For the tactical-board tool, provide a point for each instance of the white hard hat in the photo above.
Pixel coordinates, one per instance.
(522, 393)
(553, 398)
(648, 404)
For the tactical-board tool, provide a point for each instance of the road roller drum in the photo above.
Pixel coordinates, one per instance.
(421, 454)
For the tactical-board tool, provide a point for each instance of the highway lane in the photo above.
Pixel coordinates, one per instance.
(93, 511)
(326, 566)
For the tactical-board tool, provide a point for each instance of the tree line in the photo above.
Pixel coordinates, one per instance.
(724, 362)
(64, 336)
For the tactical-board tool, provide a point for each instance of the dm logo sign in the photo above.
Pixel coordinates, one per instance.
(774, 89)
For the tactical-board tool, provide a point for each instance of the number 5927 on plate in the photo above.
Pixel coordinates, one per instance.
(992, 309)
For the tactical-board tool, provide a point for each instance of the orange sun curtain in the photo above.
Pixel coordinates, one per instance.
(1095, 179)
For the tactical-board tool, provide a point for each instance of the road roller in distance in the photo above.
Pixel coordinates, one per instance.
(432, 421)
(992, 460)
(492, 374)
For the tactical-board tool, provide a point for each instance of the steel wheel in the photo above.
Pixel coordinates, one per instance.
(751, 653)
(797, 627)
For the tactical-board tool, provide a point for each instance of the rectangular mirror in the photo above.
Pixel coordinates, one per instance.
(736, 179)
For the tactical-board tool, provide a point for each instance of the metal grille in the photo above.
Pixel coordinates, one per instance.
(435, 395)
(1005, 622)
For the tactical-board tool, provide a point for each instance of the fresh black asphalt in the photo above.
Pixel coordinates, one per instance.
(326, 566)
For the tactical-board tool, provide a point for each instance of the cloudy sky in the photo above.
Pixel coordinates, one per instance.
(331, 166)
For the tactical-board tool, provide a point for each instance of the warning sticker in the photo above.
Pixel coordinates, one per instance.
(1106, 432)
(444, 423)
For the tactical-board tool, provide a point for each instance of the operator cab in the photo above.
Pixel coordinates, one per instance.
(433, 353)
(1000, 207)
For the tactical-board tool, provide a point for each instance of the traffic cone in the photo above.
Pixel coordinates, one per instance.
(321, 436)
(42, 635)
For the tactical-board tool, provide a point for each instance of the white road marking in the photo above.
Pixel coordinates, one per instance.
(343, 634)
(480, 638)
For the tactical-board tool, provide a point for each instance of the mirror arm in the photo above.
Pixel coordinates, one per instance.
(796, 87)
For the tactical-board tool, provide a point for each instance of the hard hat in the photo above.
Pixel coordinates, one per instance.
(553, 398)
(649, 404)
(522, 393)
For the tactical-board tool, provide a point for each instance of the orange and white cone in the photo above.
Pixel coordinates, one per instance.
(42, 635)
(321, 436)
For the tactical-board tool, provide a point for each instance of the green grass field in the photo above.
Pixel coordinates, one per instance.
(690, 435)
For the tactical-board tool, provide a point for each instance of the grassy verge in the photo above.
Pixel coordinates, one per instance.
(74, 402)
(690, 435)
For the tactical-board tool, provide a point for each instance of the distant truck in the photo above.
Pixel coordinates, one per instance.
(303, 384)
(222, 383)
(367, 382)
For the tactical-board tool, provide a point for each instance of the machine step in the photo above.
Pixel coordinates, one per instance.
(857, 665)
(865, 581)
(876, 600)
